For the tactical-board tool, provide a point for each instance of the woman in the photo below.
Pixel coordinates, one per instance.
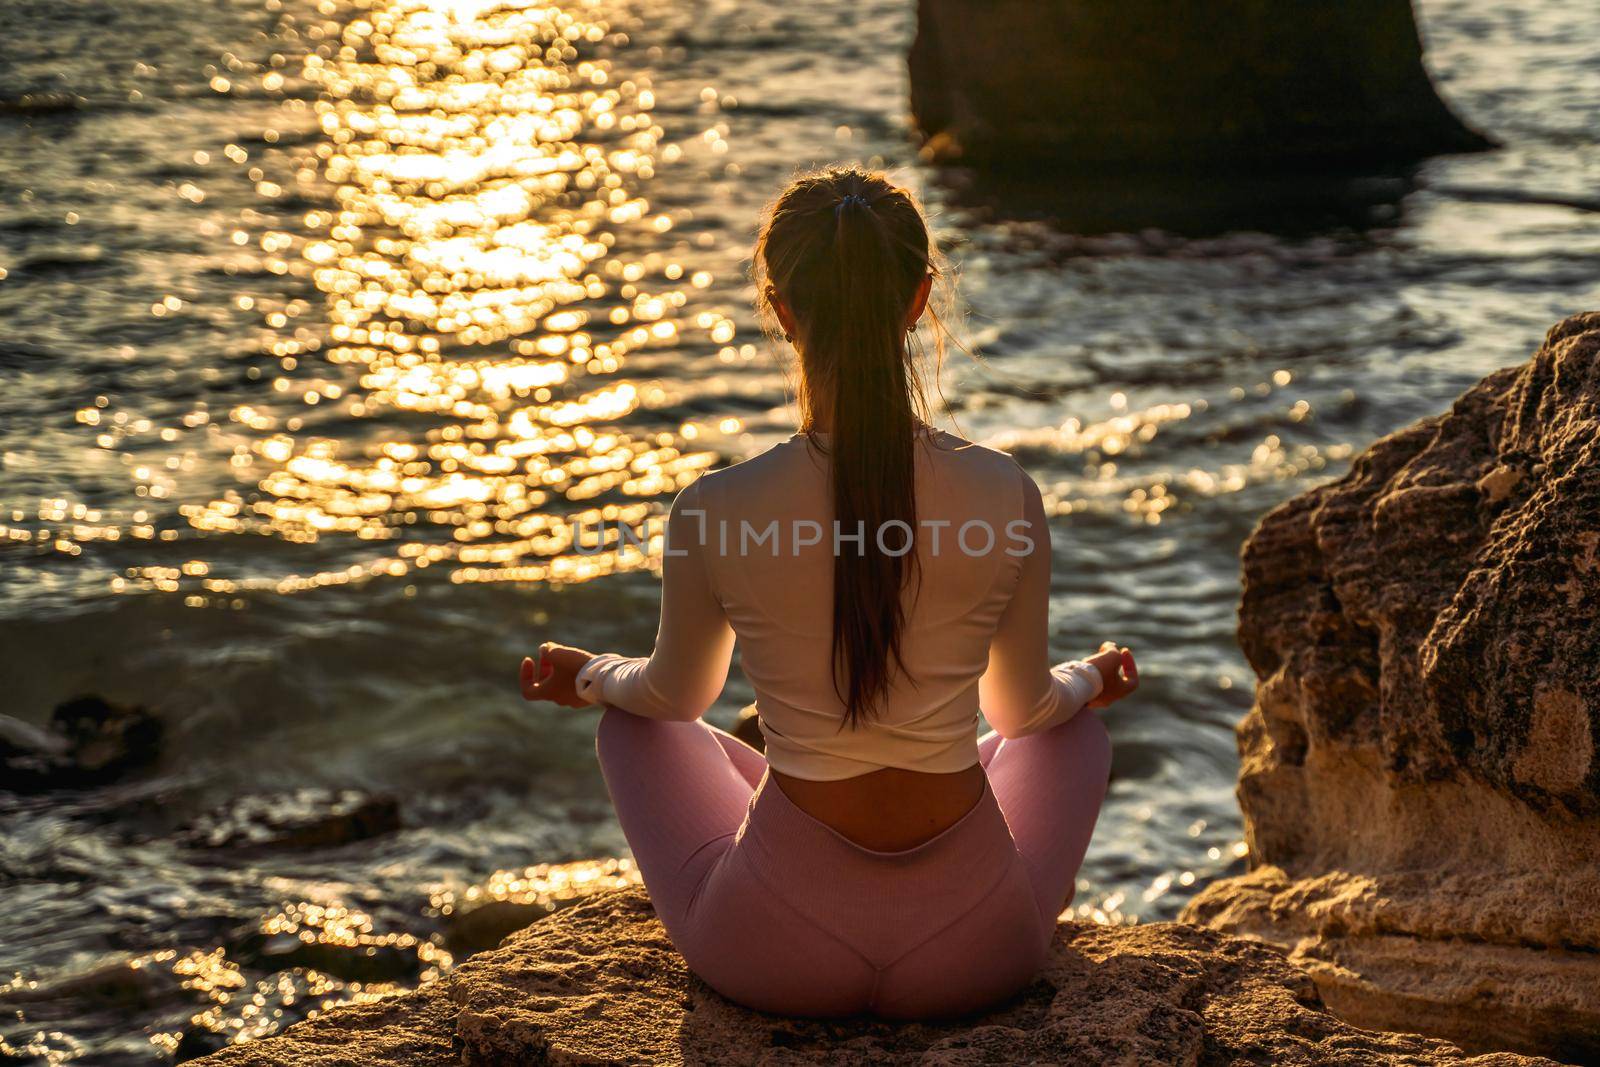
(884, 581)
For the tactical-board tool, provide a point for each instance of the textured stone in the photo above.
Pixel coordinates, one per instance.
(1238, 85)
(413, 1030)
(1419, 782)
(600, 983)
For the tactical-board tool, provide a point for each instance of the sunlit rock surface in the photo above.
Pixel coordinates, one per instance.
(1419, 779)
(1233, 85)
(600, 983)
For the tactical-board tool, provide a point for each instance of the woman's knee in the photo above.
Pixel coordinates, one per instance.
(622, 735)
(617, 730)
(1093, 740)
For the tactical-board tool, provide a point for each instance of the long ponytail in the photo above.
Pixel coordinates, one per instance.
(846, 252)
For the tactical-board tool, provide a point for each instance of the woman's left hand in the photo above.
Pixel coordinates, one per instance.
(554, 676)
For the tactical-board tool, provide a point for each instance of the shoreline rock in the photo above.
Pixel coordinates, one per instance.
(89, 742)
(1419, 776)
(1231, 86)
(302, 819)
(600, 983)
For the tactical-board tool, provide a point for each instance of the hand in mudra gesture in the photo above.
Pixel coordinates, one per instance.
(1120, 673)
(554, 676)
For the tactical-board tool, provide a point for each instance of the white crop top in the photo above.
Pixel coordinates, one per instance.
(749, 554)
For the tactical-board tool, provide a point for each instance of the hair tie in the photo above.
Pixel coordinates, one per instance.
(849, 200)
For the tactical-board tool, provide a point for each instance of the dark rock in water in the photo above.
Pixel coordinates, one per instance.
(1230, 86)
(390, 962)
(133, 986)
(333, 939)
(198, 1041)
(600, 983)
(89, 743)
(40, 1015)
(306, 818)
(107, 739)
(43, 102)
(480, 928)
(63, 263)
(747, 728)
(1421, 769)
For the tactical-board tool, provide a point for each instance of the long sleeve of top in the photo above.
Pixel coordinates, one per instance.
(694, 642)
(1020, 692)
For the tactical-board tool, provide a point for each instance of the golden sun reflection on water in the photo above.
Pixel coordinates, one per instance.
(328, 953)
(488, 265)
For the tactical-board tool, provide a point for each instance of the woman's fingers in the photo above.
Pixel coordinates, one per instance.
(1118, 671)
(530, 683)
(549, 677)
(536, 678)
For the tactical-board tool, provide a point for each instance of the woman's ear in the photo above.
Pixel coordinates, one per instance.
(785, 316)
(919, 303)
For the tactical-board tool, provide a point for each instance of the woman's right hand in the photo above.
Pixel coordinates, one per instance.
(1119, 674)
(554, 675)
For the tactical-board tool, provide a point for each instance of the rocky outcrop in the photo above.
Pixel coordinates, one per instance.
(600, 983)
(1234, 85)
(1419, 775)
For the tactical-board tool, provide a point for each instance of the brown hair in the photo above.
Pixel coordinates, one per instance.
(845, 251)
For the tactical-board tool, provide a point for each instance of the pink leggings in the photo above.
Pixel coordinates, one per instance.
(779, 912)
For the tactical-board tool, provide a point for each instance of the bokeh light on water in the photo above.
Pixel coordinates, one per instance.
(325, 320)
(488, 265)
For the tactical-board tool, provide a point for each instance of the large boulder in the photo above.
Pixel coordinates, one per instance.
(600, 983)
(1234, 84)
(1419, 776)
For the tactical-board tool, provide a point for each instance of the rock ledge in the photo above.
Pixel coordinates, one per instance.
(600, 983)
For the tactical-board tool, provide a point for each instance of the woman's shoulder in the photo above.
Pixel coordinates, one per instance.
(982, 460)
(785, 465)
(777, 466)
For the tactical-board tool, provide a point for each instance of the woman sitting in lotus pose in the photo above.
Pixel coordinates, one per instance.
(885, 581)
